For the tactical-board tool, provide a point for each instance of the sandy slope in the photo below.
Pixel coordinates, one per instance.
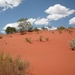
(53, 57)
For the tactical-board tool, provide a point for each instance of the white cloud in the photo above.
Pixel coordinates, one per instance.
(5, 4)
(58, 11)
(72, 21)
(52, 28)
(31, 20)
(15, 25)
(54, 16)
(3, 32)
(42, 21)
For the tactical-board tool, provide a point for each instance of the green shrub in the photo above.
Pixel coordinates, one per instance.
(72, 44)
(36, 29)
(10, 30)
(28, 40)
(61, 28)
(1, 37)
(30, 29)
(10, 66)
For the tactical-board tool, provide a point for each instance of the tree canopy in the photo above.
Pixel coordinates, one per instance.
(24, 24)
(10, 30)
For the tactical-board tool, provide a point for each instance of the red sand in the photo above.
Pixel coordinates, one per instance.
(53, 57)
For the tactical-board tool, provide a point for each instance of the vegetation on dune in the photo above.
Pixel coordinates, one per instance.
(70, 31)
(47, 39)
(36, 29)
(30, 29)
(10, 30)
(61, 28)
(43, 28)
(24, 24)
(72, 44)
(28, 40)
(10, 66)
(40, 38)
(1, 37)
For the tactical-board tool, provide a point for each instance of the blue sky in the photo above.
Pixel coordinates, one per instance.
(39, 12)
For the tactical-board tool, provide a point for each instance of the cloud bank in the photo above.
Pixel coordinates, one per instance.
(58, 11)
(5, 4)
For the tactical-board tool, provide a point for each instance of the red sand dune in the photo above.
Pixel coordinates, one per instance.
(53, 57)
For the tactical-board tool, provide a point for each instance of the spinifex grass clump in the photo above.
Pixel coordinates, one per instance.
(28, 40)
(72, 44)
(10, 66)
(47, 39)
(40, 39)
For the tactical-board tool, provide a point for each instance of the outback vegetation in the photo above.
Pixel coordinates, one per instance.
(72, 44)
(41, 38)
(47, 39)
(28, 40)
(1, 37)
(10, 30)
(10, 66)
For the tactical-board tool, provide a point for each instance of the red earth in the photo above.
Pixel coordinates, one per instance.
(52, 57)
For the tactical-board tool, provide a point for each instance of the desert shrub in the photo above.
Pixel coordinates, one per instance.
(70, 27)
(10, 66)
(60, 31)
(30, 29)
(22, 31)
(70, 31)
(61, 28)
(10, 30)
(10, 35)
(1, 37)
(40, 39)
(72, 44)
(36, 29)
(28, 40)
(43, 28)
(52, 32)
(47, 39)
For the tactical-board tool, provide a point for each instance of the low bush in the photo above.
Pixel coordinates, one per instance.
(61, 28)
(10, 66)
(40, 39)
(36, 29)
(30, 29)
(1, 37)
(47, 39)
(28, 40)
(72, 44)
(70, 31)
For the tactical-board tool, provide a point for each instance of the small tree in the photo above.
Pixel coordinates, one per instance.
(24, 24)
(72, 44)
(10, 30)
